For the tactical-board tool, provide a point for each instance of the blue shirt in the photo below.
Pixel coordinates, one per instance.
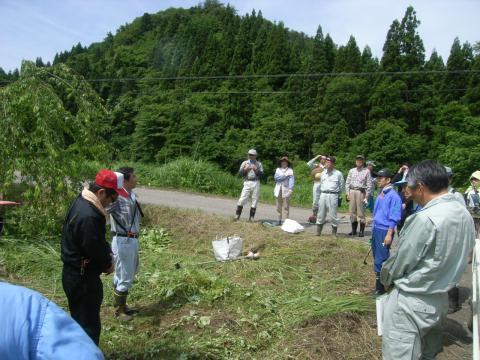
(34, 328)
(388, 209)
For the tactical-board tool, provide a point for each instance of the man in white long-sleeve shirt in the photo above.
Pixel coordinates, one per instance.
(331, 187)
(251, 170)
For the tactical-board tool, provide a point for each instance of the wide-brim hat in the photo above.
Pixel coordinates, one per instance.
(284, 158)
(360, 157)
(252, 152)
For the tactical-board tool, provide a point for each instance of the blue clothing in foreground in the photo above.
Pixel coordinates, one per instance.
(33, 327)
(388, 209)
(380, 252)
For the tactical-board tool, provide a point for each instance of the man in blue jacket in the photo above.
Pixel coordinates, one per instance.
(386, 214)
(33, 327)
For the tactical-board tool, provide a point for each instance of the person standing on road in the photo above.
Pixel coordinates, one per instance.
(473, 201)
(431, 258)
(331, 187)
(85, 252)
(251, 170)
(284, 182)
(316, 169)
(386, 215)
(358, 189)
(125, 216)
(454, 293)
(370, 200)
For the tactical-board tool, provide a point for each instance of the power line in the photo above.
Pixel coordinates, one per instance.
(276, 76)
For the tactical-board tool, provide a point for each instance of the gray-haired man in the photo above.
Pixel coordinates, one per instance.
(432, 255)
(251, 170)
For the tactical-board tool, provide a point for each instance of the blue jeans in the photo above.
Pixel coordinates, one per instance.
(380, 253)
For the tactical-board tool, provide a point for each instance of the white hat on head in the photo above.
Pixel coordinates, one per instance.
(252, 152)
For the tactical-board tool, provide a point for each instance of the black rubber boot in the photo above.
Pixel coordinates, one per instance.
(120, 303)
(319, 229)
(453, 300)
(252, 214)
(238, 212)
(315, 211)
(362, 230)
(354, 228)
(379, 289)
(334, 231)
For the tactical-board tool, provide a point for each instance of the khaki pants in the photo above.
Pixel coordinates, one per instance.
(328, 204)
(412, 325)
(283, 203)
(356, 208)
(250, 189)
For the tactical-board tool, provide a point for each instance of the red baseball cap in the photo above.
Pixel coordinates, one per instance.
(110, 180)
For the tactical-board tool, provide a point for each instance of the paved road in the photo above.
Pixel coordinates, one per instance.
(226, 207)
(457, 338)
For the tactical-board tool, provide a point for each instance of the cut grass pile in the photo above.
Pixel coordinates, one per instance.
(305, 298)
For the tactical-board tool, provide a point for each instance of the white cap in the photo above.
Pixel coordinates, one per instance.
(252, 152)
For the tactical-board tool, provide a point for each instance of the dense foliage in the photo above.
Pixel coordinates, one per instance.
(51, 122)
(189, 82)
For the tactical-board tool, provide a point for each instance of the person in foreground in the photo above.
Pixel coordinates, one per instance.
(34, 327)
(85, 251)
(432, 255)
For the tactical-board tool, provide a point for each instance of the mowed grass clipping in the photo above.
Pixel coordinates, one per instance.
(305, 298)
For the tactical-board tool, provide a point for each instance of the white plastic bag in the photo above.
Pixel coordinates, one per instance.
(227, 248)
(291, 226)
(380, 304)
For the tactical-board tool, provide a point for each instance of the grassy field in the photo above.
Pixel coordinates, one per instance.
(305, 298)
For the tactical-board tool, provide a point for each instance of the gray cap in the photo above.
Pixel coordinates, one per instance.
(371, 162)
(252, 152)
(449, 171)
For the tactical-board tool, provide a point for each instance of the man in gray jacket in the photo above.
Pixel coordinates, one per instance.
(432, 255)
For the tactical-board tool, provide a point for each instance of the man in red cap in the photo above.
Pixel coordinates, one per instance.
(85, 252)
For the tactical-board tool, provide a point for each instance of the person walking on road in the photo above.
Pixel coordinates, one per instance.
(125, 217)
(85, 252)
(358, 189)
(316, 169)
(331, 187)
(386, 215)
(432, 254)
(251, 170)
(284, 182)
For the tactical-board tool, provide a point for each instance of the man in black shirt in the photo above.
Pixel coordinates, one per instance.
(85, 251)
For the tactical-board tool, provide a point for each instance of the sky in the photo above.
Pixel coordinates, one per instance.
(32, 28)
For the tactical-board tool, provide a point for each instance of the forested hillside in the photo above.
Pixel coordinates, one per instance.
(194, 82)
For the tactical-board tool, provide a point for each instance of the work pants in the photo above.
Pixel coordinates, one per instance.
(412, 325)
(85, 296)
(327, 208)
(251, 189)
(380, 252)
(316, 195)
(356, 207)
(283, 204)
(125, 254)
